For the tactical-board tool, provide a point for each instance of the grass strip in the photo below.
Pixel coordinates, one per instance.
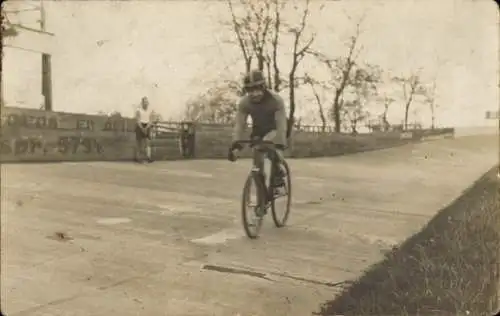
(451, 267)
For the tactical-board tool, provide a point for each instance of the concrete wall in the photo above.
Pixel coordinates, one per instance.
(35, 135)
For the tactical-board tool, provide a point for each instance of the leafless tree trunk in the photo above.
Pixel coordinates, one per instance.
(412, 86)
(387, 102)
(298, 56)
(275, 45)
(268, 70)
(431, 100)
(408, 103)
(344, 66)
(238, 30)
(312, 83)
(355, 113)
(258, 36)
(258, 32)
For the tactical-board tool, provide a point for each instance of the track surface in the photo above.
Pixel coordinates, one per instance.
(166, 238)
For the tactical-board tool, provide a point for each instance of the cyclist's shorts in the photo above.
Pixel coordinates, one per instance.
(269, 135)
(140, 134)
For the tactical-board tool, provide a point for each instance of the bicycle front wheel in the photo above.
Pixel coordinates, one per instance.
(253, 201)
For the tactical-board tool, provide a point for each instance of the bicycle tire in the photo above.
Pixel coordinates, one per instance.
(277, 222)
(252, 177)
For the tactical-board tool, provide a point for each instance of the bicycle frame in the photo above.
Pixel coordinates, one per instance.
(265, 193)
(260, 147)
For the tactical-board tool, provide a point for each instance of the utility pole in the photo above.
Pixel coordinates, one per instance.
(46, 67)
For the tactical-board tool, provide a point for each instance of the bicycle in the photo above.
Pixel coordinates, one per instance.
(266, 195)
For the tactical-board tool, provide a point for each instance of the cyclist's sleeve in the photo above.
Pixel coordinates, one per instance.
(240, 121)
(281, 122)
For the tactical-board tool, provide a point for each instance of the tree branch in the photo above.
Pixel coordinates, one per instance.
(275, 43)
(241, 42)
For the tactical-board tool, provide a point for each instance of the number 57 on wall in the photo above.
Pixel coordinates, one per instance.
(75, 144)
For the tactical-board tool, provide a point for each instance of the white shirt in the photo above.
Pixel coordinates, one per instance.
(144, 115)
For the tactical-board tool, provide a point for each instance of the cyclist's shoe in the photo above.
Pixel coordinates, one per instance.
(260, 211)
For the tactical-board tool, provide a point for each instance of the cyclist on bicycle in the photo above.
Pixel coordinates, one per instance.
(269, 121)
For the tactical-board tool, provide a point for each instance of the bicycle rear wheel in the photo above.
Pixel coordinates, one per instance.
(281, 212)
(252, 213)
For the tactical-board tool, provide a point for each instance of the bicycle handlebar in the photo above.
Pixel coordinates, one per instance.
(254, 142)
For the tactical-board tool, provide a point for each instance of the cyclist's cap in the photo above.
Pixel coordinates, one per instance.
(254, 78)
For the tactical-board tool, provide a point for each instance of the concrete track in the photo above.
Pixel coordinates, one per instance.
(166, 238)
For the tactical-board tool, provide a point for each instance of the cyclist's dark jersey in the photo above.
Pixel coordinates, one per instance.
(267, 115)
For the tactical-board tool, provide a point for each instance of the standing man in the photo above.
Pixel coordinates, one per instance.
(143, 126)
(188, 140)
(191, 139)
(184, 140)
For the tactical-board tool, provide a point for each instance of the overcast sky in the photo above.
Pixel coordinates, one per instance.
(108, 54)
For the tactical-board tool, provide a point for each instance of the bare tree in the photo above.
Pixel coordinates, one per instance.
(340, 70)
(299, 51)
(430, 92)
(364, 81)
(387, 102)
(259, 32)
(430, 99)
(217, 105)
(355, 113)
(362, 86)
(309, 80)
(257, 29)
(412, 86)
(276, 81)
(239, 29)
(260, 13)
(252, 30)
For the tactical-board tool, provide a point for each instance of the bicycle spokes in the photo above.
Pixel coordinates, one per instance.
(252, 210)
(259, 195)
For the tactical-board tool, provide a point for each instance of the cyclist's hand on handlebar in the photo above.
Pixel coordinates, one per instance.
(231, 155)
(235, 147)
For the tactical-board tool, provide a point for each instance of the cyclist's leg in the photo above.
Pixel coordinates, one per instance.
(258, 160)
(138, 143)
(259, 156)
(147, 143)
(278, 180)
